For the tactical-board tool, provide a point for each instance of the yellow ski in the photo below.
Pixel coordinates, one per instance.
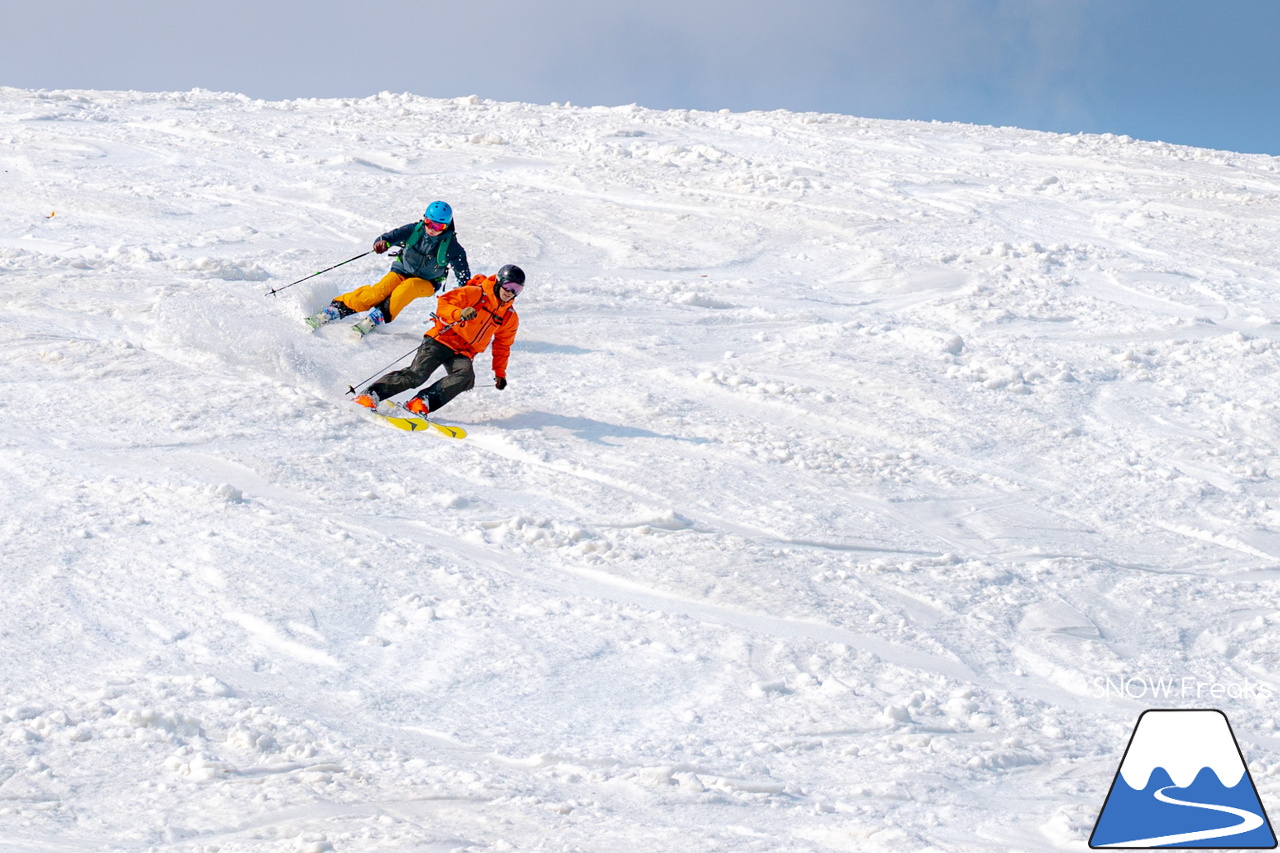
(419, 425)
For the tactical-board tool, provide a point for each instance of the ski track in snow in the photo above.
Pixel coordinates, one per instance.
(842, 460)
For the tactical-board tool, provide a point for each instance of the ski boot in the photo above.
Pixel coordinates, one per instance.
(335, 310)
(368, 399)
(419, 407)
(328, 315)
(368, 324)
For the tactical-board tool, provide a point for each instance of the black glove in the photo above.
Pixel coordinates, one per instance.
(501, 382)
(380, 246)
(467, 313)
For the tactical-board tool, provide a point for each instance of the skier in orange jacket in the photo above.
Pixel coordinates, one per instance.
(467, 320)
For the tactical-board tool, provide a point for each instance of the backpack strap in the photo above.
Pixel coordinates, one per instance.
(414, 235)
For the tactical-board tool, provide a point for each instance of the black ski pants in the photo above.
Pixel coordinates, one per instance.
(461, 375)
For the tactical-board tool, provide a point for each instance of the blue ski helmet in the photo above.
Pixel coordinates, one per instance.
(439, 211)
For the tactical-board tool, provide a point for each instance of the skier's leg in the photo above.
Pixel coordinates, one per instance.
(430, 355)
(461, 377)
(380, 314)
(364, 298)
(404, 293)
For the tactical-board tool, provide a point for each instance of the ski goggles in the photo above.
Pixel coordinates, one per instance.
(434, 227)
(511, 287)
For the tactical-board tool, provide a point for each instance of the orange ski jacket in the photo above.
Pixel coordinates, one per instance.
(495, 321)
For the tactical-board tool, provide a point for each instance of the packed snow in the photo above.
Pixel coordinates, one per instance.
(858, 485)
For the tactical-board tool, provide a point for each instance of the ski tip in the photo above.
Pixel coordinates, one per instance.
(451, 431)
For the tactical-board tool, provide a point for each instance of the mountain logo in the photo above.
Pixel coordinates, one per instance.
(1183, 783)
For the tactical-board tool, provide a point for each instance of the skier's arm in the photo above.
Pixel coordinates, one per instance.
(502, 341)
(449, 305)
(396, 237)
(458, 260)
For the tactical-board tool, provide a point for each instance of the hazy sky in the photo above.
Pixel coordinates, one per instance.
(1198, 73)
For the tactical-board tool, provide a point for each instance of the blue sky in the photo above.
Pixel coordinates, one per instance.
(1196, 73)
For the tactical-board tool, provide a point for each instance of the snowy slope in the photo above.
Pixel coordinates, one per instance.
(843, 463)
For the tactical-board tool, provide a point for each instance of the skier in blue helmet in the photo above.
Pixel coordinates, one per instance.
(431, 249)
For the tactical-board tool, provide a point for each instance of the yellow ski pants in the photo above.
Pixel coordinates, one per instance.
(394, 289)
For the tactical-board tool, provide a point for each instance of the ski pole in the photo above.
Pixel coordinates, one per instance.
(351, 389)
(448, 327)
(276, 290)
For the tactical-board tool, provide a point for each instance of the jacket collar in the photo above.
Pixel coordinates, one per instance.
(495, 304)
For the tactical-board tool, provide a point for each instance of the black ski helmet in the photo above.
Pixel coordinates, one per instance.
(510, 273)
